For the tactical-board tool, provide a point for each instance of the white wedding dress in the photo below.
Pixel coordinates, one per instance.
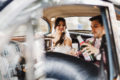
(63, 48)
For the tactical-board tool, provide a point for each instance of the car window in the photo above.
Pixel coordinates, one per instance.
(78, 23)
(42, 26)
(39, 25)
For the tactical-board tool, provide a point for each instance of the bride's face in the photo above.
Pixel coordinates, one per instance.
(60, 27)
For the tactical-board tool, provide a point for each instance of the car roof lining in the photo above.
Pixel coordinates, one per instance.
(73, 10)
(70, 11)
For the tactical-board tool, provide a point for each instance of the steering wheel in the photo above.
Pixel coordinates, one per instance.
(65, 67)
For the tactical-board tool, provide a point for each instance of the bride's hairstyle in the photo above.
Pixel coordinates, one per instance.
(62, 38)
(58, 20)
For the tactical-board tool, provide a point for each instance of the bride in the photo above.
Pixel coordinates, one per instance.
(62, 41)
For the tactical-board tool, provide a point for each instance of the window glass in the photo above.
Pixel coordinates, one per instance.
(39, 26)
(78, 23)
(42, 26)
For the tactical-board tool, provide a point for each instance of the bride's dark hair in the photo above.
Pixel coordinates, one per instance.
(62, 37)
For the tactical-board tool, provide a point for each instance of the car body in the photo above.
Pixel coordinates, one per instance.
(29, 14)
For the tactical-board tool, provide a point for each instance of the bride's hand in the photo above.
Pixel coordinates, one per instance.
(56, 37)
